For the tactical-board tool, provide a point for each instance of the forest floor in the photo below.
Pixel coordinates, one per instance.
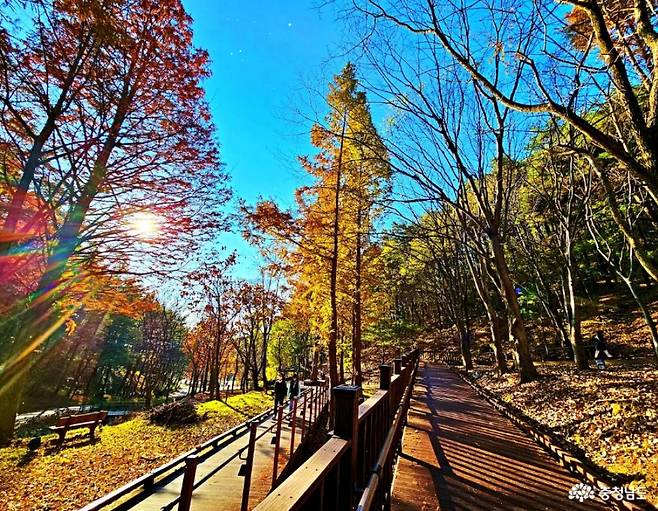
(611, 416)
(62, 479)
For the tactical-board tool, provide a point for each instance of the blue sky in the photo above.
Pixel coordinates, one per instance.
(265, 55)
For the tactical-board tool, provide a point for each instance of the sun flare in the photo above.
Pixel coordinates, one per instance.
(144, 225)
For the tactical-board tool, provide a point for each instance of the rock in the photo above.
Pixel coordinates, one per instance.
(178, 412)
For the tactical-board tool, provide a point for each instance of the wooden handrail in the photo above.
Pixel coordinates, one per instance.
(292, 493)
(370, 492)
(316, 394)
(368, 435)
(178, 464)
(370, 404)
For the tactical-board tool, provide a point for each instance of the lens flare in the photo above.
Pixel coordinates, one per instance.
(143, 225)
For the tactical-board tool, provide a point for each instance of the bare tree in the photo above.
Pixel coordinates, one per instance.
(567, 69)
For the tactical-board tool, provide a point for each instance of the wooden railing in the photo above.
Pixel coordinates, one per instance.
(314, 401)
(354, 468)
(305, 410)
(137, 488)
(308, 406)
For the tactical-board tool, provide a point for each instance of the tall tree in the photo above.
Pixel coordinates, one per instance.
(330, 234)
(138, 141)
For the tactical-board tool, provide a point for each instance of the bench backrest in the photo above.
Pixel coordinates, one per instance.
(72, 420)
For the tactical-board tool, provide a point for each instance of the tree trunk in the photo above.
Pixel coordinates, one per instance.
(465, 348)
(646, 313)
(497, 324)
(356, 333)
(315, 363)
(333, 332)
(10, 399)
(499, 331)
(575, 337)
(526, 368)
(264, 363)
(254, 377)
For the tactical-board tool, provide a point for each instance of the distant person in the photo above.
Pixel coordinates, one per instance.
(468, 338)
(600, 349)
(280, 390)
(294, 390)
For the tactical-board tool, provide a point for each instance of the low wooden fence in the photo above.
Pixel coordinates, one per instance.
(308, 406)
(137, 489)
(306, 411)
(354, 468)
(314, 400)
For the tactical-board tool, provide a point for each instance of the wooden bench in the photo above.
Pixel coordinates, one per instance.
(84, 420)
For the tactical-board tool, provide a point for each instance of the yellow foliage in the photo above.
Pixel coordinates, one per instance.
(81, 472)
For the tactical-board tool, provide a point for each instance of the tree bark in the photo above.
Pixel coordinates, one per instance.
(526, 368)
(333, 285)
(356, 335)
(465, 348)
(575, 336)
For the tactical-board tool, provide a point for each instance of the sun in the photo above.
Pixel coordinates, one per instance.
(143, 224)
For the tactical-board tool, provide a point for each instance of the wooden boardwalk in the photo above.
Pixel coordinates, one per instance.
(218, 477)
(459, 453)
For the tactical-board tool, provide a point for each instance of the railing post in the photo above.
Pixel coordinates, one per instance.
(188, 483)
(310, 407)
(315, 405)
(406, 368)
(346, 426)
(385, 371)
(384, 377)
(293, 426)
(277, 445)
(398, 365)
(253, 429)
(304, 416)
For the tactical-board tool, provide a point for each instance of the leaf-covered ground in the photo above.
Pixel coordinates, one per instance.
(64, 479)
(612, 415)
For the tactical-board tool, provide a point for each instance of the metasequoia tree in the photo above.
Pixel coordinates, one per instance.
(137, 140)
(366, 171)
(330, 233)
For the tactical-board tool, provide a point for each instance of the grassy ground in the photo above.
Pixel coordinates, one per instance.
(57, 479)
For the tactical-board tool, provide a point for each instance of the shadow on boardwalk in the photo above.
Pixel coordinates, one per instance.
(459, 453)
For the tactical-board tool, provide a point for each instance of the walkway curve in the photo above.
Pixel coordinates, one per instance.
(459, 453)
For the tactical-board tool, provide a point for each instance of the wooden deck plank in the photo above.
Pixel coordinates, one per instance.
(459, 453)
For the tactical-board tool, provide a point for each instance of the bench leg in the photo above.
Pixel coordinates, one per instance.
(92, 432)
(62, 436)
